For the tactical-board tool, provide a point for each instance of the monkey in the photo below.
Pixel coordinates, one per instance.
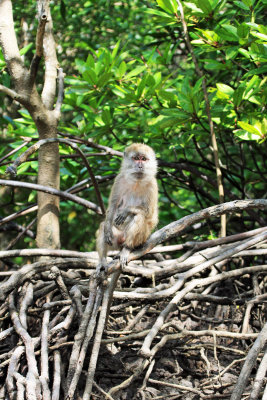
(132, 211)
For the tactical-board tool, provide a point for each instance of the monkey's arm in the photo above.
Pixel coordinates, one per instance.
(128, 212)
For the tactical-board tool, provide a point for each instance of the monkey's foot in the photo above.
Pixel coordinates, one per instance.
(124, 255)
(101, 268)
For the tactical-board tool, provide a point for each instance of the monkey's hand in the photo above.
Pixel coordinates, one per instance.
(121, 217)
(108, 235)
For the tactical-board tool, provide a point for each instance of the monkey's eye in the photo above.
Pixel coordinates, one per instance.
(143, 158)
(136, 158)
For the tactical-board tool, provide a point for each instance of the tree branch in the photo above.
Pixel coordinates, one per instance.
(39, 47)
(8, 42)
(55, 192)
(24, 156)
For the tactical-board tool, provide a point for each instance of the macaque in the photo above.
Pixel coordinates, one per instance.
(133, 204)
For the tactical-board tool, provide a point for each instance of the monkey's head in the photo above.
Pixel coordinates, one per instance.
(139, 161)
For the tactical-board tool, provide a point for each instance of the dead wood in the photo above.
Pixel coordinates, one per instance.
(182, 330)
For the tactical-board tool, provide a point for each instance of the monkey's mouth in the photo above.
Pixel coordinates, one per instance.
(138, 174)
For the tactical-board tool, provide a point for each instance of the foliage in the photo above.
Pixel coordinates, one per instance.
(130, 78)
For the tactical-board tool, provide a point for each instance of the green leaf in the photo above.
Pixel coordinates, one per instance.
(238, 95)
(240, 4)
(121, 70)
(90, 76)
(193, 7)
(225, 89)
(25, 49)
(249, 128)
(115, 50)
(205, 6)
(103, 80)
(106, 117)
(167, 5)
(135, 71)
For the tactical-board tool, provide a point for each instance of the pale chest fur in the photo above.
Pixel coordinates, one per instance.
(134, 194)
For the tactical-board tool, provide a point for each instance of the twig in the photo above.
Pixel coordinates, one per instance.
(249, 363)
(181, 387)
(44, 377)
(259, 379)
(24, 156)
(39, 47)
(191, 285)
(57, 380)
(33, 385)
(46, 189)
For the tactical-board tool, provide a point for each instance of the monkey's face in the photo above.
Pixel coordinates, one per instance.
(140, 165)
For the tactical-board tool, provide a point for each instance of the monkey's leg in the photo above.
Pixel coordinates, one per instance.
(102, 248)
(137, 231)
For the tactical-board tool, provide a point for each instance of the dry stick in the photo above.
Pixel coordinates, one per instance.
(44, 377)
(80, 335)
(253, 353)
(259, 379)
(30, 270)
(12, 368)
(49, 252)
(102, 391)
(24, 230)
(145, 350)
(57, 380)
(129, 380)
(26, 302)
(21, 383)
(26, 141)
(88, 336)
(33, 385)
(24, 156)
(175, 229)
(96, 345)
(55, 192)
(18, 214)
(181, 387)
(213, 136)
(39, 48)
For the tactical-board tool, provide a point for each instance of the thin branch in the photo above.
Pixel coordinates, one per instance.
(39, 47)
(24, 156)
(13, 94)
(46, 189)
(249, 363)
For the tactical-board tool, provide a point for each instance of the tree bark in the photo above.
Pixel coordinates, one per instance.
(41, 109)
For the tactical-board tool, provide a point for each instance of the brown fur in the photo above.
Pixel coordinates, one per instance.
(135, 196)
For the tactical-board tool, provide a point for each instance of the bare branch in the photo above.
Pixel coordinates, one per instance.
(24, 156)
(86, 203)
(13, 94)
(249, 363)
(39, 47)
